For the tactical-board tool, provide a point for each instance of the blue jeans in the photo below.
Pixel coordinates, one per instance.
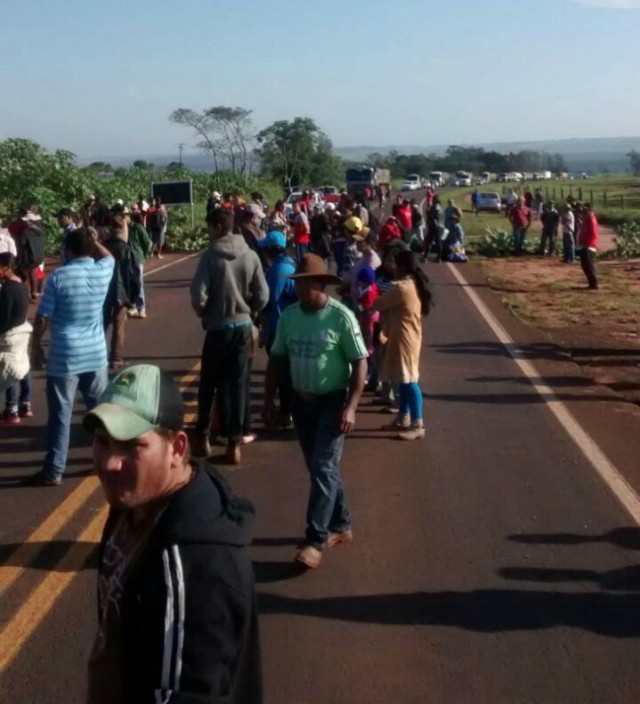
(19, 394)
(519, 236)
(339, 248)
(317, 424)
(568, 248)
(141, 302)
(61, 394)
(301, 250)
(411, 401)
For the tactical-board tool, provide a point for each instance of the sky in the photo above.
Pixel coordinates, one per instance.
(101, 77)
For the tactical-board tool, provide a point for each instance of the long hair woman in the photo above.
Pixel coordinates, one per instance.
(403, 306)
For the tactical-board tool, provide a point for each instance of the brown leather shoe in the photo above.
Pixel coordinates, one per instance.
(309, 556)
(233, 455)
(345, 536)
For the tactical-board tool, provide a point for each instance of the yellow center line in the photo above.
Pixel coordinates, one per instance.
(40, 602)
(43, 598)
(45, 532)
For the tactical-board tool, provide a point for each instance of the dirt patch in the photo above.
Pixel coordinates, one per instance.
(599, 329)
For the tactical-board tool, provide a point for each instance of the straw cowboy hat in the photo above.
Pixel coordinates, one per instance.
(312, 266)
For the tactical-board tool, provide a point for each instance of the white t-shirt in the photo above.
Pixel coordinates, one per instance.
(7, 243)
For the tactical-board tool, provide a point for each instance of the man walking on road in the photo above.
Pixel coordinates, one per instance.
(229, 287)
(321, 341)
(176, 600)
(72, 305)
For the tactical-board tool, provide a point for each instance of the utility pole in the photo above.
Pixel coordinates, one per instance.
(181, 148)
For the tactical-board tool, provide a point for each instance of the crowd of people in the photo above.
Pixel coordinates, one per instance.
(175, 526)
(575, 221)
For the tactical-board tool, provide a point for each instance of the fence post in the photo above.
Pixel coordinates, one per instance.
(561, 192)
(604, 197)
(554, 193)
(591, 194)
(580, 193)
(622, 201)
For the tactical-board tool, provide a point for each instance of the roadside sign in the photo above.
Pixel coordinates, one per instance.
(173, 192)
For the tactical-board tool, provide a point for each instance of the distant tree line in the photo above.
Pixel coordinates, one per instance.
(473, 159)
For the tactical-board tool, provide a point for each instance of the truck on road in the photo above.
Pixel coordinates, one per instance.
(359, 178)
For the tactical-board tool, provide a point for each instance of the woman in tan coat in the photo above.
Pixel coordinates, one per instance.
(403, 307)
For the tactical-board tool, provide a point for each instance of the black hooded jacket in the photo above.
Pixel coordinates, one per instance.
(188, 609)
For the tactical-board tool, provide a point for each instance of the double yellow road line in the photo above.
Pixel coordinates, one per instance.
(42, 599)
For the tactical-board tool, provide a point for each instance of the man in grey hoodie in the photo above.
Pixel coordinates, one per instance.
(229, 286)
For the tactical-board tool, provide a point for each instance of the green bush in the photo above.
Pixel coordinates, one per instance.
(498, 243)
(627, 240)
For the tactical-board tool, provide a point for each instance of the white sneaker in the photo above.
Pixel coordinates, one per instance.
(142, 313)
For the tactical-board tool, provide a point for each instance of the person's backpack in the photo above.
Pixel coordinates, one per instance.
(31, 252)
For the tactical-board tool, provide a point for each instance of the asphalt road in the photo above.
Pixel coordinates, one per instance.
(491, 563)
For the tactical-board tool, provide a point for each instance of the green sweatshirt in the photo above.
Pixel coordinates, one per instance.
(140, 242)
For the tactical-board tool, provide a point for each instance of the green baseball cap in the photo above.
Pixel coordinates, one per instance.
(137, 400)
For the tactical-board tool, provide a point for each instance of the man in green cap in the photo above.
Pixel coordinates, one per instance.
(177, 609)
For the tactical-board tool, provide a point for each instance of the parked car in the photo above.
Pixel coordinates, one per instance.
(331, 194)
(294, 197)
(413, 182)
(490, 202)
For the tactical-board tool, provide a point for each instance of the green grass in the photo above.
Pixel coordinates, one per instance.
(615, 190)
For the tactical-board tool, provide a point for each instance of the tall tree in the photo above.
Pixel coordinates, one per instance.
(634, 158)
(287, 149)
(224, 132)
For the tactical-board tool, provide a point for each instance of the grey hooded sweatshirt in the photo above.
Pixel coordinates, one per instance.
(229, 284)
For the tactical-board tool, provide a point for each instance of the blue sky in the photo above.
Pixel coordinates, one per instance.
(101, 77)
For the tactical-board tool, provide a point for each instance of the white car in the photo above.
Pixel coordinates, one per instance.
(316, 199)
(463, 182)
(411, 183)
(490, 202)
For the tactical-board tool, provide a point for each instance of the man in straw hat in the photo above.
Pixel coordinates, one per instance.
(321, 341)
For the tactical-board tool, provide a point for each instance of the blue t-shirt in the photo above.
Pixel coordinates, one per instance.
(73, 302)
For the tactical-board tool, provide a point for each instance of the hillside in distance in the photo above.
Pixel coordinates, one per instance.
(594, 154)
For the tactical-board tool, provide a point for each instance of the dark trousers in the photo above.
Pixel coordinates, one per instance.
(433, 241)
(285, 386)
(225, 365)
(588, 262)
(548, 239)
(317, 424)
(116, 316)
(223, 409)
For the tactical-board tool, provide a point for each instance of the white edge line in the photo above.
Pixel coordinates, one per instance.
(608, 472)
(170, 264)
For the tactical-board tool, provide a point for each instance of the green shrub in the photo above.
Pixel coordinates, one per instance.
(627, 241)
(498, 243)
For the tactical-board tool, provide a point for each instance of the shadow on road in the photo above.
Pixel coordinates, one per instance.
(627, 538)
(47, 556)
(486, 611)
(624, 579)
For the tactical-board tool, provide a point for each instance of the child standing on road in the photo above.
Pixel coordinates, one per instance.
(366, 294)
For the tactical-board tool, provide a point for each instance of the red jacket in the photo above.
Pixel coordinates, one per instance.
(588, 235)
(389, 232)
